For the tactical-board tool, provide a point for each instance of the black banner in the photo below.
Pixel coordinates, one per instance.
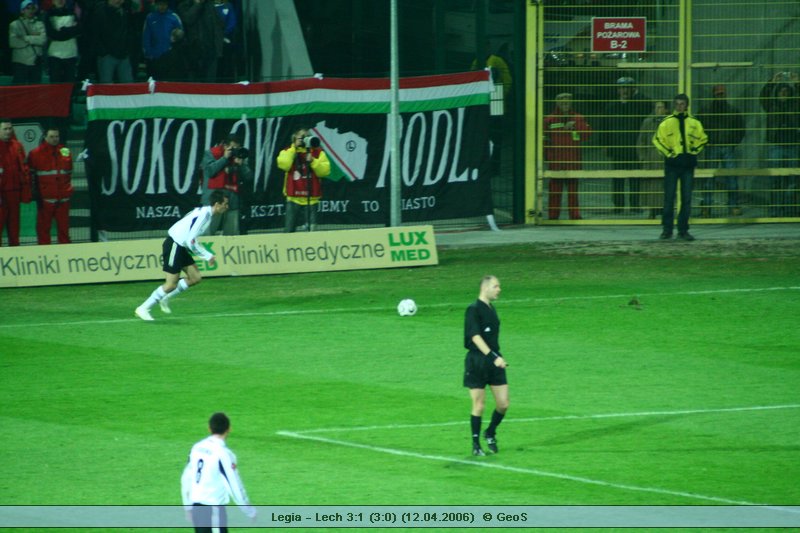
(143, 172)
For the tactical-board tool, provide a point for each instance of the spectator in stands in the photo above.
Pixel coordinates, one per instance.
(205, 34)
(138, 11)
(50, 166)
(113, 36)
(63, 30)
(724, 125)
(27, 39)
(623, 118)
(15, 185)
(162, 28)
(651, 159)
(304, 163)
(227, 65)
(225, 167)
(87, 54)
(680, 138)
(780, 100)
(564, 131)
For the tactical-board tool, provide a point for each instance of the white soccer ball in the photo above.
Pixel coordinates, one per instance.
(407, 307)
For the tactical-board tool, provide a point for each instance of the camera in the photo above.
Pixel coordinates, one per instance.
(311, 141)
(241, 153)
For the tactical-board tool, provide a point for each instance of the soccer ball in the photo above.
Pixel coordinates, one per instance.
(407, 307)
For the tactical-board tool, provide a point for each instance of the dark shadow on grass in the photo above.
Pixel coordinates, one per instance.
(606, 431)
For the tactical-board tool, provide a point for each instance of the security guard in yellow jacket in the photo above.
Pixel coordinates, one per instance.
(680, 138)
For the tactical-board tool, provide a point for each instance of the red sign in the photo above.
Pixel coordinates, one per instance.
(619, 34)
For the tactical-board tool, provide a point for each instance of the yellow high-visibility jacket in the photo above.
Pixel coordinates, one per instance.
(668, 141)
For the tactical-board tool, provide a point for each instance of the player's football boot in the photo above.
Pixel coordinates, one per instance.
(143, 313)
(164, 305)
(476, 450)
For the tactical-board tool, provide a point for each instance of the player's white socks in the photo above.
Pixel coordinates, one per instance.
(182, 286)
(154, 298)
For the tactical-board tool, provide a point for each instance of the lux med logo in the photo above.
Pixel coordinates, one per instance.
(404, 246)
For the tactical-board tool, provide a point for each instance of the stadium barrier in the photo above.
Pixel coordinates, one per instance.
(250, 255)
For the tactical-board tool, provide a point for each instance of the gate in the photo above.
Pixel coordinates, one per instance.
(738, 61)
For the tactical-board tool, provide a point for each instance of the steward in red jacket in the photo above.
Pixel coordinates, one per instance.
(564, 131)
(50, 165)
(15, 186)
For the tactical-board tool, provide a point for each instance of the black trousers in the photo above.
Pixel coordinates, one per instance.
(206, 517)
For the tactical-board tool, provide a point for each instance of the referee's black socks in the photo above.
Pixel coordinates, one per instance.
(475, 423)
(497, 417)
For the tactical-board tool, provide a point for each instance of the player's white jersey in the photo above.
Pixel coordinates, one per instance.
(211, 478)
(186, 230)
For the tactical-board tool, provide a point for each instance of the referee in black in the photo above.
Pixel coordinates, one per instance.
(483, 364)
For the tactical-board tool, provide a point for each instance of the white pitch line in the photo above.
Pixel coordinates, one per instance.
(379, 309)
(551, 418)
(530, 471)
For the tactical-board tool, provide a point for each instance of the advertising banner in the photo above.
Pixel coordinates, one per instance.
(145, 142)
(250, 255)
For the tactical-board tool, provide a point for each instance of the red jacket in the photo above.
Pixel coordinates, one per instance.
(223, 179)
(13, 170)
(562, 147)
(52, 168)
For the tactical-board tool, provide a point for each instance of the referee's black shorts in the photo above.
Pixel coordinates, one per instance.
(479, 371)
(175, 257)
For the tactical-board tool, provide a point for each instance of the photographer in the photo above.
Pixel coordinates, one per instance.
(304, 163)
(224, 166)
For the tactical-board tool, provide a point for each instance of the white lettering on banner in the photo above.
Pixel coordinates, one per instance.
(333, 206)
(269, 210)
(265, 148)
(438, 150)
(438, 116)
(130, 184)
(370, 206)
(183, 175)
(618, 35)
(618, 25)
(128, 142)
(159, 211)
(425, 202)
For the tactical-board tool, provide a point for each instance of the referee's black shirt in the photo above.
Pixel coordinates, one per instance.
(481, 319)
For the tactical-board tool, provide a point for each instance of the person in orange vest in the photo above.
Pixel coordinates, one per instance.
(304, 163)
(50, 166)
(15, 186)
(224, 166)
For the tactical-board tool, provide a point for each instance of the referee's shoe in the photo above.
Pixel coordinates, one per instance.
(491, 442)
(476, 450)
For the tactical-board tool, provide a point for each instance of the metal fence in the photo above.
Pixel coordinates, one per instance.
(738, 61)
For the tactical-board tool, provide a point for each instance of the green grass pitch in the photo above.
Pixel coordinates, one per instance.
(637, 377)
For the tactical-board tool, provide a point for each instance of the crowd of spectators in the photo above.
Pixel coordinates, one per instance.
(120, 41)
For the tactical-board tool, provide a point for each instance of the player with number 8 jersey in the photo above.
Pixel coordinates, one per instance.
(210, 479)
